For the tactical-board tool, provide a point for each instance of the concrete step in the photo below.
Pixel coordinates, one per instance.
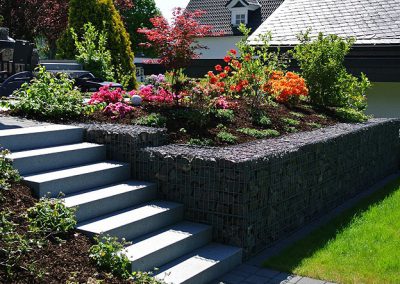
(167, 244)
(100, 201)
(61, 65)
(52, 158)
(20, 139)
(202, 265)
(75, 179)
(134, 222)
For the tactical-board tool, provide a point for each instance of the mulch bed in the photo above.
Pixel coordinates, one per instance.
(181, 130)
(55, 262)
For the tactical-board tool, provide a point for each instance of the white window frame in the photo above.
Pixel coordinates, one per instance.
(239, 12)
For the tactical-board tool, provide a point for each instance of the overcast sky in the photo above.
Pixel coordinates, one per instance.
(166, 6)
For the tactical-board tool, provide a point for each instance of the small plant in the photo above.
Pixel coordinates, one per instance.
(51, 217)
(259, 133)
(7, 173)
(144, 278)
(108, 255)
(314, 125)
(260, 118)
(13, 246)
(200, 142)
(47, 96)
(226, 115)
(290, 129)
(291, 122)
(227, 137)
(297, 114)
(351, 115)
(152, 120)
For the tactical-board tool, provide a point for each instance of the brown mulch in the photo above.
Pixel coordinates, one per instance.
(243, 119)
(54, 262)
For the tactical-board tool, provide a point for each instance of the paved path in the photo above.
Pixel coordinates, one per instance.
(8, 122)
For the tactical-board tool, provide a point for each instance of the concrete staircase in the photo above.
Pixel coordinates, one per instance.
(54, 159)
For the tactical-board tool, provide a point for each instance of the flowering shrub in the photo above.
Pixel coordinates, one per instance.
(287, 88)
(105, 95)
(117, 110)
(155, 80)
(150, 93)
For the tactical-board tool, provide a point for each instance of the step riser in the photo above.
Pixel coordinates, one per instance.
(42, 139)
(111, 204)
(80, 182)
(165, 255)
(36, 164)
(217, 270)
(145, 225)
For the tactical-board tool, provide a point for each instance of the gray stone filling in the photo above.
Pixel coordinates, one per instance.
(256, 193)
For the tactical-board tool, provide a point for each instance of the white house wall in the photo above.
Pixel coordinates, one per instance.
(384, 100)
(217, 46)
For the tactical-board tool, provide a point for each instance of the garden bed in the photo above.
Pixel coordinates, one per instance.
(52, 261)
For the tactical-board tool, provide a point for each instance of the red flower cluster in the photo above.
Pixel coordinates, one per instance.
(105, 95)
(286, 87)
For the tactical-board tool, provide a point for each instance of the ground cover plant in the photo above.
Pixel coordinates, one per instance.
(358, 246)
(38, 243)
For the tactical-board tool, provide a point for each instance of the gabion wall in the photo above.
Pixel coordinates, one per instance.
(255, 193)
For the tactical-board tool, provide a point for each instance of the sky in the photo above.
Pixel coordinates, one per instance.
(166, 6)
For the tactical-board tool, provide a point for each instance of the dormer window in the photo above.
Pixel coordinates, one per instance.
(240, 10)
(240, 19)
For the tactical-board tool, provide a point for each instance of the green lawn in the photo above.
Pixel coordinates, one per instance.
(362, 245)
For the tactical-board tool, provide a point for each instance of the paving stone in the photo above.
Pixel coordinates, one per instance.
(307, 280)
(248, 269)
(231, 278)
(294, 279)
(257, 279)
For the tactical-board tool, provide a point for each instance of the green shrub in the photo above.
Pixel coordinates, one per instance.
(226, 115)
(47, 96)
(291, 122)
(104, 16)
(200, 142)
(51, 217)
(108, 255)
(259, 133)
(290, 129)
(227, 137)
(92, 52)
(152, 120)
(192, 117)
(322, 65)
(7, 172)
(351, 115)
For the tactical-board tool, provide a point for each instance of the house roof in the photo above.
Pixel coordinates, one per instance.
(371, 22)
(219, 16)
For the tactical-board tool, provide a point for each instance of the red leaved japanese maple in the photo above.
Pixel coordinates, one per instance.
(176, 43)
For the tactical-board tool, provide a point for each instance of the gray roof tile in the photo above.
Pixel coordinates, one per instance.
(370, 21)
(219, 16)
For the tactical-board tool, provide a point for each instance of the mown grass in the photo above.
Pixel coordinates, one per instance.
(361, 245)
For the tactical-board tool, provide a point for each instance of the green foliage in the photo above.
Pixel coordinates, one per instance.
(322, 64)
(139, 17)
(227, 137)
(226, 115)
(7, 173)
(291, 122)
(351, 115)
(200, 142)
(104, 17)
(51, 217)
(192, 117)
(47, 96)
(290, 129)
(314, 125)
(144, 278)
(297, 114)
(108, 255)
(13, 246)
(259, 133)
(152, 120)
(92, 52)
(1, 20)
(260, 118)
